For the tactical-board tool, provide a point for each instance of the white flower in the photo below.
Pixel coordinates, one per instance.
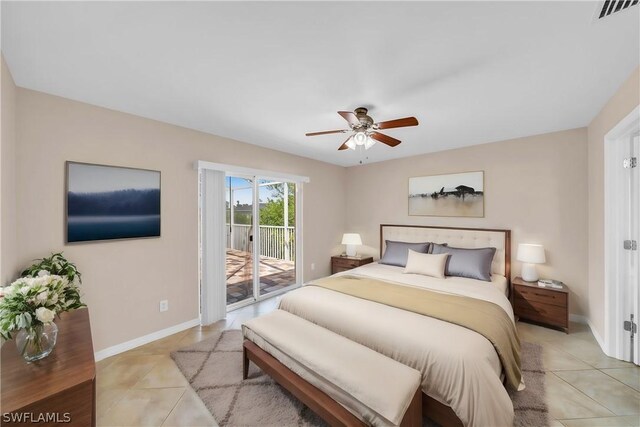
(43, 273)
(27, 281)
(45, 315)
(7, 290)
(43, 280)
(41, 298)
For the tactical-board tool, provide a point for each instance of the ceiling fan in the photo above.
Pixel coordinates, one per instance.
(365, 131)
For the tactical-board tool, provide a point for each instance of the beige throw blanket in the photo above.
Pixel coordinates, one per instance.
(483, 317)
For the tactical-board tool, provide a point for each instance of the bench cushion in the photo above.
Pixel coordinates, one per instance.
(373, 387)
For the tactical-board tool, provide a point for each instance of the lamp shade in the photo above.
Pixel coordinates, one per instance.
(360, 138)
(351, 239)
(531, 254)
(351, 143)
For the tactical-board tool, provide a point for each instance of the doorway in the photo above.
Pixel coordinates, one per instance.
(622, 237)
(250, 245)
(261, 237)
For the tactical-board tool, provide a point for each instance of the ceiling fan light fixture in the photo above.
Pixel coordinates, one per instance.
(370, 142)
(360, 138)
(351, 143)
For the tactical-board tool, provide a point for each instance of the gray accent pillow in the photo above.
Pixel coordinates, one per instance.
(433, 244)
(470, 263)
(396, 253)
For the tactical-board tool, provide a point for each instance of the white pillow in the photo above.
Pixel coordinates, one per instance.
(426, 264)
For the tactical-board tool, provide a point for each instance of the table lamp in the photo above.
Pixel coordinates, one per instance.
(351, 240)
(530, 255)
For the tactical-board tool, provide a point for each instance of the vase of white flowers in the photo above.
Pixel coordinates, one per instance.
(30, 305)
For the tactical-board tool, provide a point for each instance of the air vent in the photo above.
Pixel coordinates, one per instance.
(609, 7)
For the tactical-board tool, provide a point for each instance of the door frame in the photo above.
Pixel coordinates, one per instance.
(615, 338)
(258, 174)
(299, 265)
(256, 237)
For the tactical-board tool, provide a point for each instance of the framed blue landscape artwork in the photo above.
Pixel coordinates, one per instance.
(110, 202)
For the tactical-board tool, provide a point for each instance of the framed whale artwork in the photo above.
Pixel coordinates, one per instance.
(457, 194)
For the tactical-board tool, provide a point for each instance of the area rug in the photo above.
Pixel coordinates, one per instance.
(214, 369)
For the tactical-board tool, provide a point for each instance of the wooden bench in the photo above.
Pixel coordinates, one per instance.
(349, 384)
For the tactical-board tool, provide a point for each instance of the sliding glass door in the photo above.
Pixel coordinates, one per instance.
(261, 236)
(240, 247)
(277, 245)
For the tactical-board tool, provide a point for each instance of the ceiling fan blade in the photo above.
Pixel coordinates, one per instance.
(344, 146)
(385, 139)
(350, 117)
(398, 123)
(326, 132)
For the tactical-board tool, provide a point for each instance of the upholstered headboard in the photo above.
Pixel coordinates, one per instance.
(458, 237)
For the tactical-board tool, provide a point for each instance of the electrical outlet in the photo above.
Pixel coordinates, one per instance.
(164, 305)
(313, 266)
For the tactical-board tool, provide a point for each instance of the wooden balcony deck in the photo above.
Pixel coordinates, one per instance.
(275, 274)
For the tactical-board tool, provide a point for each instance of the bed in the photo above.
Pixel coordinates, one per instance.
(462, 375)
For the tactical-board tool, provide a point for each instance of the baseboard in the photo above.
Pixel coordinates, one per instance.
(585, 321)
(578, 319)
(137, 342)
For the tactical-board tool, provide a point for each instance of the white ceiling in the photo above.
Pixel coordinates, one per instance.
(267, 73)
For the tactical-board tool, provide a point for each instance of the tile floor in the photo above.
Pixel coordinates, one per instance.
(143, 387)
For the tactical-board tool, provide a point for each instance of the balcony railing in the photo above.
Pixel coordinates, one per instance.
(273, 240)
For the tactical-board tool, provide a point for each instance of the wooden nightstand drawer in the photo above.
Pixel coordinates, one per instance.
(547, 306)
(541, 312)
(346, 263)
(339, 263)
(540, 295)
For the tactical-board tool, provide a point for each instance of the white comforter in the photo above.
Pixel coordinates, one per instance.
(459, 367)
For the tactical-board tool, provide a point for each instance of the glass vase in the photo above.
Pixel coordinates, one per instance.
(37, 342)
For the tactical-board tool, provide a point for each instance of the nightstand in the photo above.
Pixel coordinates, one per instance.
(344, 263)
(547, 306)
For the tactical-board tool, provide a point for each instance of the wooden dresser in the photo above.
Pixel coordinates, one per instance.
(547, 306)
(344, 263)
(61, 386)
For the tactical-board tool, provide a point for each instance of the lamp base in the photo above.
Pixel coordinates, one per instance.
(529, 273)
(351, 250)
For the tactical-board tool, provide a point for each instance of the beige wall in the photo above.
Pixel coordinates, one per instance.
(125, 280)
(619, 106)
(545, 188)
(7, 176)
(535, 186)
